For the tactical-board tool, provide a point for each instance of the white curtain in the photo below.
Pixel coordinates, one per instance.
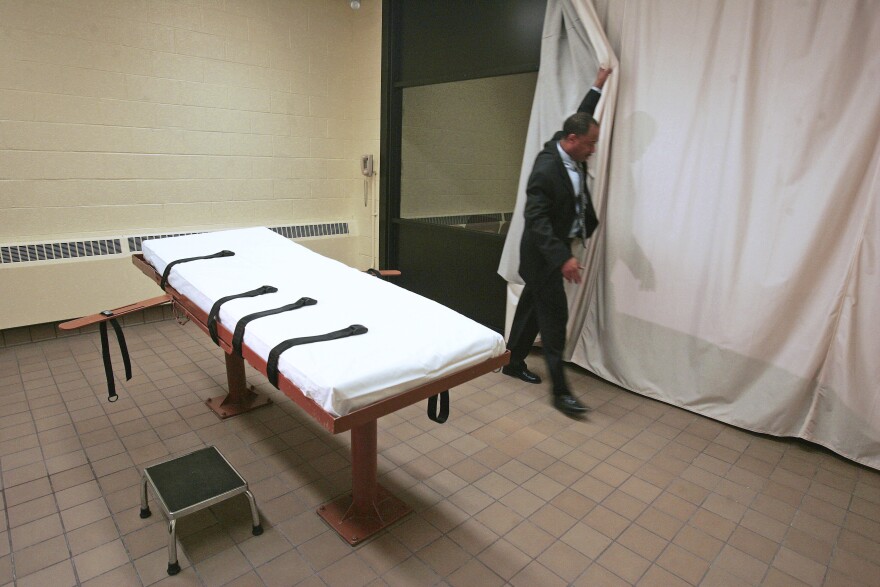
(573, 48)
(737, 271)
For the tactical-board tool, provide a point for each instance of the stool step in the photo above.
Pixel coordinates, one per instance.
(189, 483)
(194, 481)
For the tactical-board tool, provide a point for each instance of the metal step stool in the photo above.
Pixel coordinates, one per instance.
(190, 483)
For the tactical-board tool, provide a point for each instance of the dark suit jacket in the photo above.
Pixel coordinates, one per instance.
(550, 210)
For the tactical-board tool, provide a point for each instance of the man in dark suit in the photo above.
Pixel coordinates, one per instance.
(558, 209)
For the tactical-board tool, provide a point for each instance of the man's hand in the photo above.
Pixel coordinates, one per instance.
(571, 271)
(601, 77)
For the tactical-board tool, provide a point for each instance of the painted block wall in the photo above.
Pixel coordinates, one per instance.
(129, 117)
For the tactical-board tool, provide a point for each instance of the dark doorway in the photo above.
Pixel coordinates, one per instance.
(458, 79)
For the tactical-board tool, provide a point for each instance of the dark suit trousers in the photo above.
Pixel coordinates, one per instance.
(542, 308)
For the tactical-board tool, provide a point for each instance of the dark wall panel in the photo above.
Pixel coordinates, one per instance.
(450, 40)
(455, 267)
(438, 41)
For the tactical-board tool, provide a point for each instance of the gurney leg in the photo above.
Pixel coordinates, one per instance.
(241, 398)
(370, 507)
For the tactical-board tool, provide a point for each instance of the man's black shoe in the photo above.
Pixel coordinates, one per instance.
(568, 404)
(520, 372)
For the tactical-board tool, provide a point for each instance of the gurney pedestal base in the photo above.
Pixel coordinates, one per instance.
(241, 397)
(355, 526)
(370, 507)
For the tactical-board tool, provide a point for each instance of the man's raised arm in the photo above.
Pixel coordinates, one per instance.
(592, 97)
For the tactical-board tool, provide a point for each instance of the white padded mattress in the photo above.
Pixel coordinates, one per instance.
(411, 340)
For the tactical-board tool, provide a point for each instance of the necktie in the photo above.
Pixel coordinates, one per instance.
(578, 229)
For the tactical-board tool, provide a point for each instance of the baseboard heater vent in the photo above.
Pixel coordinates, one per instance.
(65, 250)
(135, 242)
(292, 231)
(308, 230)
(27, 253)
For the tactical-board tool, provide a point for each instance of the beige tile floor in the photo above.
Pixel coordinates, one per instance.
(508, 491)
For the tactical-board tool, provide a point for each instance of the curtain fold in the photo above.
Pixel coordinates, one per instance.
(570, 59)
(738, 274)
(737, 268)
(573, 49)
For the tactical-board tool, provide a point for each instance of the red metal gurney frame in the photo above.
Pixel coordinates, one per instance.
(370, 507)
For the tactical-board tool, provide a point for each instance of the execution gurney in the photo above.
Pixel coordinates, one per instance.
(411, 349)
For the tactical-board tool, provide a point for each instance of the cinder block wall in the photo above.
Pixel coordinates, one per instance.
(462, 145)
(132, 117)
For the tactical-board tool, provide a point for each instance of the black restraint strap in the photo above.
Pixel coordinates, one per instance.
(214, 314)
(443, 414)
(105, 351)
(238, 335)
(168, 267)
(275, 353)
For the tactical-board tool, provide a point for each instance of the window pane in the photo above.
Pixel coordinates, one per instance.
(461, 150)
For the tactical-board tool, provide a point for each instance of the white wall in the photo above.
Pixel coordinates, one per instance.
(131, 117)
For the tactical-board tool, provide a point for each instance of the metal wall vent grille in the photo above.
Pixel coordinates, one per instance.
(293, 231)
(65, 250)
(308, 230)
(135, 242)
(93, 248)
